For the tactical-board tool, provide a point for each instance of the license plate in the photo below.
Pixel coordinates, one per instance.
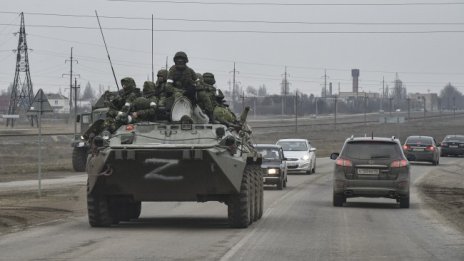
(418, 149)
(368, 171)
(453, 146)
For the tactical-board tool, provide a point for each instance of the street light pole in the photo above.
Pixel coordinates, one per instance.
(409, 109)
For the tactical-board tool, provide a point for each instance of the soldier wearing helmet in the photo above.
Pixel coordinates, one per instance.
(222, 112)
(205, 94)
(182, 78)
(121, 106)
(144, 108)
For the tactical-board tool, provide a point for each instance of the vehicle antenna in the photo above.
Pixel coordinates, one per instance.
(112, 69)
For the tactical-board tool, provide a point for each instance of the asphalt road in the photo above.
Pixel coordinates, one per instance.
(299, 223)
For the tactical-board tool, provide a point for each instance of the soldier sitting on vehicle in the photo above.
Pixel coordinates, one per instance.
(223, 114)
(120, 107)
(182, 79)
(144, 108)
(205, 93)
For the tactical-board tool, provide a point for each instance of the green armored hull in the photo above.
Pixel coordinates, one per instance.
(174, 162)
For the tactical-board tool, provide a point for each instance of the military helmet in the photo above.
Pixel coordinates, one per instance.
(128, 82)
(162, 73)
(181, 55)
(209, 78)
(219, 95)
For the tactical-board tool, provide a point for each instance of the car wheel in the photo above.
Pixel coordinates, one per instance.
(285, 183)
(280, 184)
(434, 162)
(338, 200)
(314, 167)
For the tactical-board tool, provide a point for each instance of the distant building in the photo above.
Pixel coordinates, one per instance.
(417, 101)
(59, 102)
(359, 95)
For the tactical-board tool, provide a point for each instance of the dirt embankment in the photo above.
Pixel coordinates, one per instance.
(443, 190)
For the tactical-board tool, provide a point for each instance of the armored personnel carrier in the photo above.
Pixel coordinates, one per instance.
(184, 159)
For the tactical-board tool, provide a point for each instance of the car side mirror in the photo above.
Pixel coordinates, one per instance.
(312, 149)
(334, 156)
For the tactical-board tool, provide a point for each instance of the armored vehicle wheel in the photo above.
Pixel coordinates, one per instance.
(239, 204)
(280, 184)
(79, 159)
(135, 209)
(257, 196)
(404, 202)
(98, 210)
(253, 213)
(338, 200)
(261, 192)
(285, 183)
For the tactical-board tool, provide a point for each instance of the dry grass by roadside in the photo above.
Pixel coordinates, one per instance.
(444, 191)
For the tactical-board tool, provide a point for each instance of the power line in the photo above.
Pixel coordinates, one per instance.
(291, 4)
(246, 31)
(241, 21)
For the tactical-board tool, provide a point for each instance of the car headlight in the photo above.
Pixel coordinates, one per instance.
(272, 171)
(305, 157)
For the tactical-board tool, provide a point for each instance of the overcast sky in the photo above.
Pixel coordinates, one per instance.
(424, 61)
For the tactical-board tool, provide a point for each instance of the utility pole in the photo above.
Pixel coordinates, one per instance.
(335, 112)
(325, 82)
(75, 106)
(234, 98)
(296, 111)
(284, 92)
(409, 108)
(365, 108)
(454, 107)
(152, 43)
(383, 93)
(71, 61)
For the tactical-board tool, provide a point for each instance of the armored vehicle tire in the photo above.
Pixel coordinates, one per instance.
(98, 210)
(124, 208)
(252, 191)
(285, 183)
(257, 188)
(239, 204)
(338, 200)
(404, 202)
(135, 209)
(261, 192)
(79, 159)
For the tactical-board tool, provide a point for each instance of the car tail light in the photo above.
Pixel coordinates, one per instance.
(399, 164)
(344, 163)
(430, 148)
(406, 147)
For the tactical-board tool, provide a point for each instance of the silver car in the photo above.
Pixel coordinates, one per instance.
(301, 156)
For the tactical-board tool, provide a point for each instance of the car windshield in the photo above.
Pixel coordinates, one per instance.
(371, 150)
(454, 138)
(269, 153)
(293, 145)
(419, 140)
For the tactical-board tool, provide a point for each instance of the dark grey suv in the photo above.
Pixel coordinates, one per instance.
(371, 167)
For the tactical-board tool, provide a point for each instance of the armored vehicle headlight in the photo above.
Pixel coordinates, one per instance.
(220, 132)
(229, 141)
(106, 135)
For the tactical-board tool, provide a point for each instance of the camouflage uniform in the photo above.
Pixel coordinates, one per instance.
(222, 112)
(120, 107)
(182, 80)
(205, 94)
(145, 107)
